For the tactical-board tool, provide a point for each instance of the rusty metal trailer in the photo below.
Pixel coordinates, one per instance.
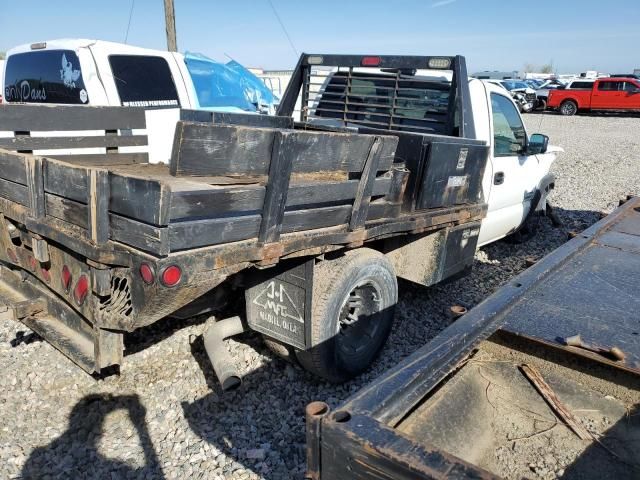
(545, 370)
(97, 242)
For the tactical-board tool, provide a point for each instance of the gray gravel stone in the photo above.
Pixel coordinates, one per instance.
(165, 416)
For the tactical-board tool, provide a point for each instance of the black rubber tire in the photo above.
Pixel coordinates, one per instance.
(334, 280)
(568, 108)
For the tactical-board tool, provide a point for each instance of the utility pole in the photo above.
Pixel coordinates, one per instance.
(170, 22)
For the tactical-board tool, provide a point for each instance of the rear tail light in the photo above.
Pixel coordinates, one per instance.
(370, 61)
(147, 274)
(66, 278)
(82, 290)
(171, 276)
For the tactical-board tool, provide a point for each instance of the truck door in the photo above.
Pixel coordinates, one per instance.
(515, 174)
(632, 95)
(608, 94)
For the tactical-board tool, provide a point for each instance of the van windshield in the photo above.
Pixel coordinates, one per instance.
(45, 76)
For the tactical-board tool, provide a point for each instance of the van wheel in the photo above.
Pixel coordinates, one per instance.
(354, 297)
(568, 108)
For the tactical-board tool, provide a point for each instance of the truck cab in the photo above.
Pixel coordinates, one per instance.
(517, 179)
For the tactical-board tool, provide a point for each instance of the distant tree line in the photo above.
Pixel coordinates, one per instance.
(546, 68)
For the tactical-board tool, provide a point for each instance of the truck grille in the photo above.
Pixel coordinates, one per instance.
(531, 97)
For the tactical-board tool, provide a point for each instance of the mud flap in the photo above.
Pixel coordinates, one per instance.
(436, 256)
(279, 303)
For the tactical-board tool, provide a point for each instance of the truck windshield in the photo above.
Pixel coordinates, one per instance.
(45, 76)
(226, 85)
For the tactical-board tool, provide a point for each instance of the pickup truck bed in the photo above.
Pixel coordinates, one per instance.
(462, 406)
(100, 242)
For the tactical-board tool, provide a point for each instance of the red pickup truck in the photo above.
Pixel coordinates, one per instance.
(606, 94)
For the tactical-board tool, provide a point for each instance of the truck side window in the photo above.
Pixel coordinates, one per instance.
(610, 86)
(509, 135)
(143, 81)
(45, 76)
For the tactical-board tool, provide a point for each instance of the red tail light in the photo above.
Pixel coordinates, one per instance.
(66, 278)
(82, 290)
(370, 61)
(147, 274)
(33, 264)
(171, 276)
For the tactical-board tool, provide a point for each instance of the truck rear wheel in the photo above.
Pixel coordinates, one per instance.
(568, 107)
(354, 298)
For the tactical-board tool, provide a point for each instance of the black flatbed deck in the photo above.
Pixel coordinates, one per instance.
(428, 416)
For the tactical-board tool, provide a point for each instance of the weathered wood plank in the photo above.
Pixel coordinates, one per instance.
(98, 201)
(275, 197)
(66, 180)
(309, 219)
(365, 187)
(200, 233)
(246, 119)
(139, 235)
(194, 204)
(12, 166)
(14, 192)
(35, 184)
(51, 143)
(90, 159)
(68, 210)
(29, 118)
(209, 150)
(144, 199)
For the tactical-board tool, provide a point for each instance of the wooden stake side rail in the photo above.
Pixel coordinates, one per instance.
(226, 183)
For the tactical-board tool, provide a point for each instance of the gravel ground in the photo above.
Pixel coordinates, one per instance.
(165, 416)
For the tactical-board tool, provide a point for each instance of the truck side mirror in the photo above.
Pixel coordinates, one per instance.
(538, 143)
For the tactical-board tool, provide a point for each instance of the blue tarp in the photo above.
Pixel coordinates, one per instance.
(228, 86)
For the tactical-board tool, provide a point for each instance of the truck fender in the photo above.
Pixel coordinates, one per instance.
(546, 184)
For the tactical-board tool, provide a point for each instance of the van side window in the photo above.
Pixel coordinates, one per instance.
(45, 76)
(509, 135)
(143, 81)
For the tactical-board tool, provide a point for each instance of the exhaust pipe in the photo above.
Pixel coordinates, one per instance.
(220, 359)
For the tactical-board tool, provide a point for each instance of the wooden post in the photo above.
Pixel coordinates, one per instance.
(170, 23)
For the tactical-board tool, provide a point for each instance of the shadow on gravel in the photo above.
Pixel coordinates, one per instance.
(75, 453)
(620, 444)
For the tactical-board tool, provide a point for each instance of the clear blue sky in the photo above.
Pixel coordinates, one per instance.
(493, 34)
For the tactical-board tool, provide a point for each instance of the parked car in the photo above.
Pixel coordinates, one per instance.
(523, 95)
(621, 94)
(94, 72)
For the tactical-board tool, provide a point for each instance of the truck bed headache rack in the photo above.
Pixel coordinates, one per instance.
(410, 94)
